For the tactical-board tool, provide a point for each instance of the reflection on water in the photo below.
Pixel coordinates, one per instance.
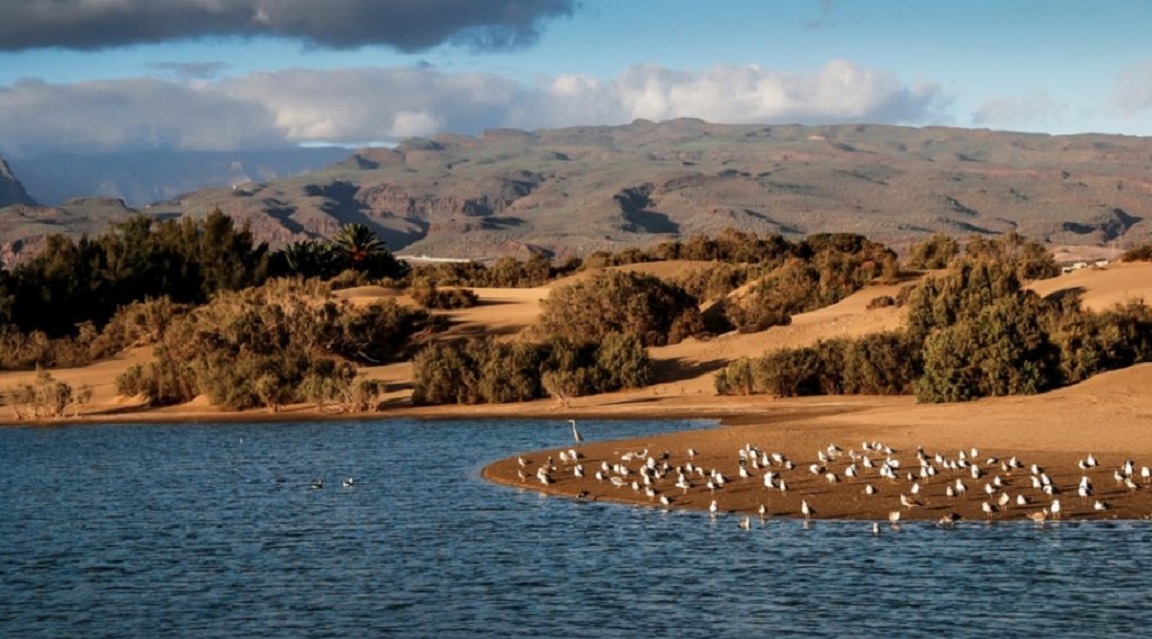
(212, 530)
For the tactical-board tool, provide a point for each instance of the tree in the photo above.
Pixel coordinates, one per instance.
(357, 242)
(361, 250)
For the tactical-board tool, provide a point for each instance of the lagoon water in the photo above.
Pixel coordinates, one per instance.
(211, 530)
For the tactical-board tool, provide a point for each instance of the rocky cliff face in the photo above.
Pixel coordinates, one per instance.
(11, 191)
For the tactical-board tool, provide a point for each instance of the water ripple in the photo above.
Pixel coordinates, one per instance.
(212, 530)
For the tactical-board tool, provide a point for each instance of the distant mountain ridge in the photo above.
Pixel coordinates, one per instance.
(567, 192)
(143, 178)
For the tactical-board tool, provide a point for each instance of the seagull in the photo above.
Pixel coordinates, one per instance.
(875, 528)
(948, 520)
(807, 510)
(714, 508)
(745, 523)
(576, 432)
(1054, 509)
(316, 484)
(348, 482)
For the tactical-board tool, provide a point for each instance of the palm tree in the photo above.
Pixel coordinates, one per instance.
(360, 249)
(358, 243)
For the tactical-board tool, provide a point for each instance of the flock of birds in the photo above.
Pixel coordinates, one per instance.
(924, 484)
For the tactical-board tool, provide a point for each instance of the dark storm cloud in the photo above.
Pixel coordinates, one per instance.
(406, 25)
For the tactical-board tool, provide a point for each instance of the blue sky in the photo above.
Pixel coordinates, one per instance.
(94, 75)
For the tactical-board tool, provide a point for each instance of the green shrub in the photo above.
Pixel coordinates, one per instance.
(616, 302)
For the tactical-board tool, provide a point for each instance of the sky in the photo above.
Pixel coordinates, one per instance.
(93, 76)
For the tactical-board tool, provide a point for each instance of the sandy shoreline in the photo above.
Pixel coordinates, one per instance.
(1107, 416)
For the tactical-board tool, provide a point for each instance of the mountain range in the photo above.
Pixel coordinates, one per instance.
(567, 192)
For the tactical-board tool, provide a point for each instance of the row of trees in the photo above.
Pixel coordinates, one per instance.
(73, 282)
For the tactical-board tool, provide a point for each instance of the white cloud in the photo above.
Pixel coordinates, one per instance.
(1022, 112)
(839, 92)
(1133, 94)
(387, 104)
(137, 114)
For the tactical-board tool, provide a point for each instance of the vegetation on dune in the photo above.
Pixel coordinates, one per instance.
(648, 308)
(249, 328)
(271, 346)
(428, 295)
(46, 397)
(1142, 253)
(482, 370)
(972, 331)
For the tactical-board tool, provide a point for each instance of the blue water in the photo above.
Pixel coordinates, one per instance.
(212, 531)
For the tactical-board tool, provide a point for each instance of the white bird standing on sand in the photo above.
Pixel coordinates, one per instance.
(1054, 509)
(576, 432)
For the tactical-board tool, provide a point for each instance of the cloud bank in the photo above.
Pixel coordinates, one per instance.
(1133, 94)
(406, 25)
(373, 105)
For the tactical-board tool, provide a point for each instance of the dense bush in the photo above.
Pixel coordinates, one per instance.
(506, 272)
(652, 310)
(428, 295)
(484, 370)
(828, 269)
(1003, 350)
(1029, 259)
(264, 347)
(971, 332)
(880, 364)
(1142, 253)
(936, 252)
(137, 324)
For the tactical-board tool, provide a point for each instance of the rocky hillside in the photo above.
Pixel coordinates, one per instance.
(11, 190)
(571, 191)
